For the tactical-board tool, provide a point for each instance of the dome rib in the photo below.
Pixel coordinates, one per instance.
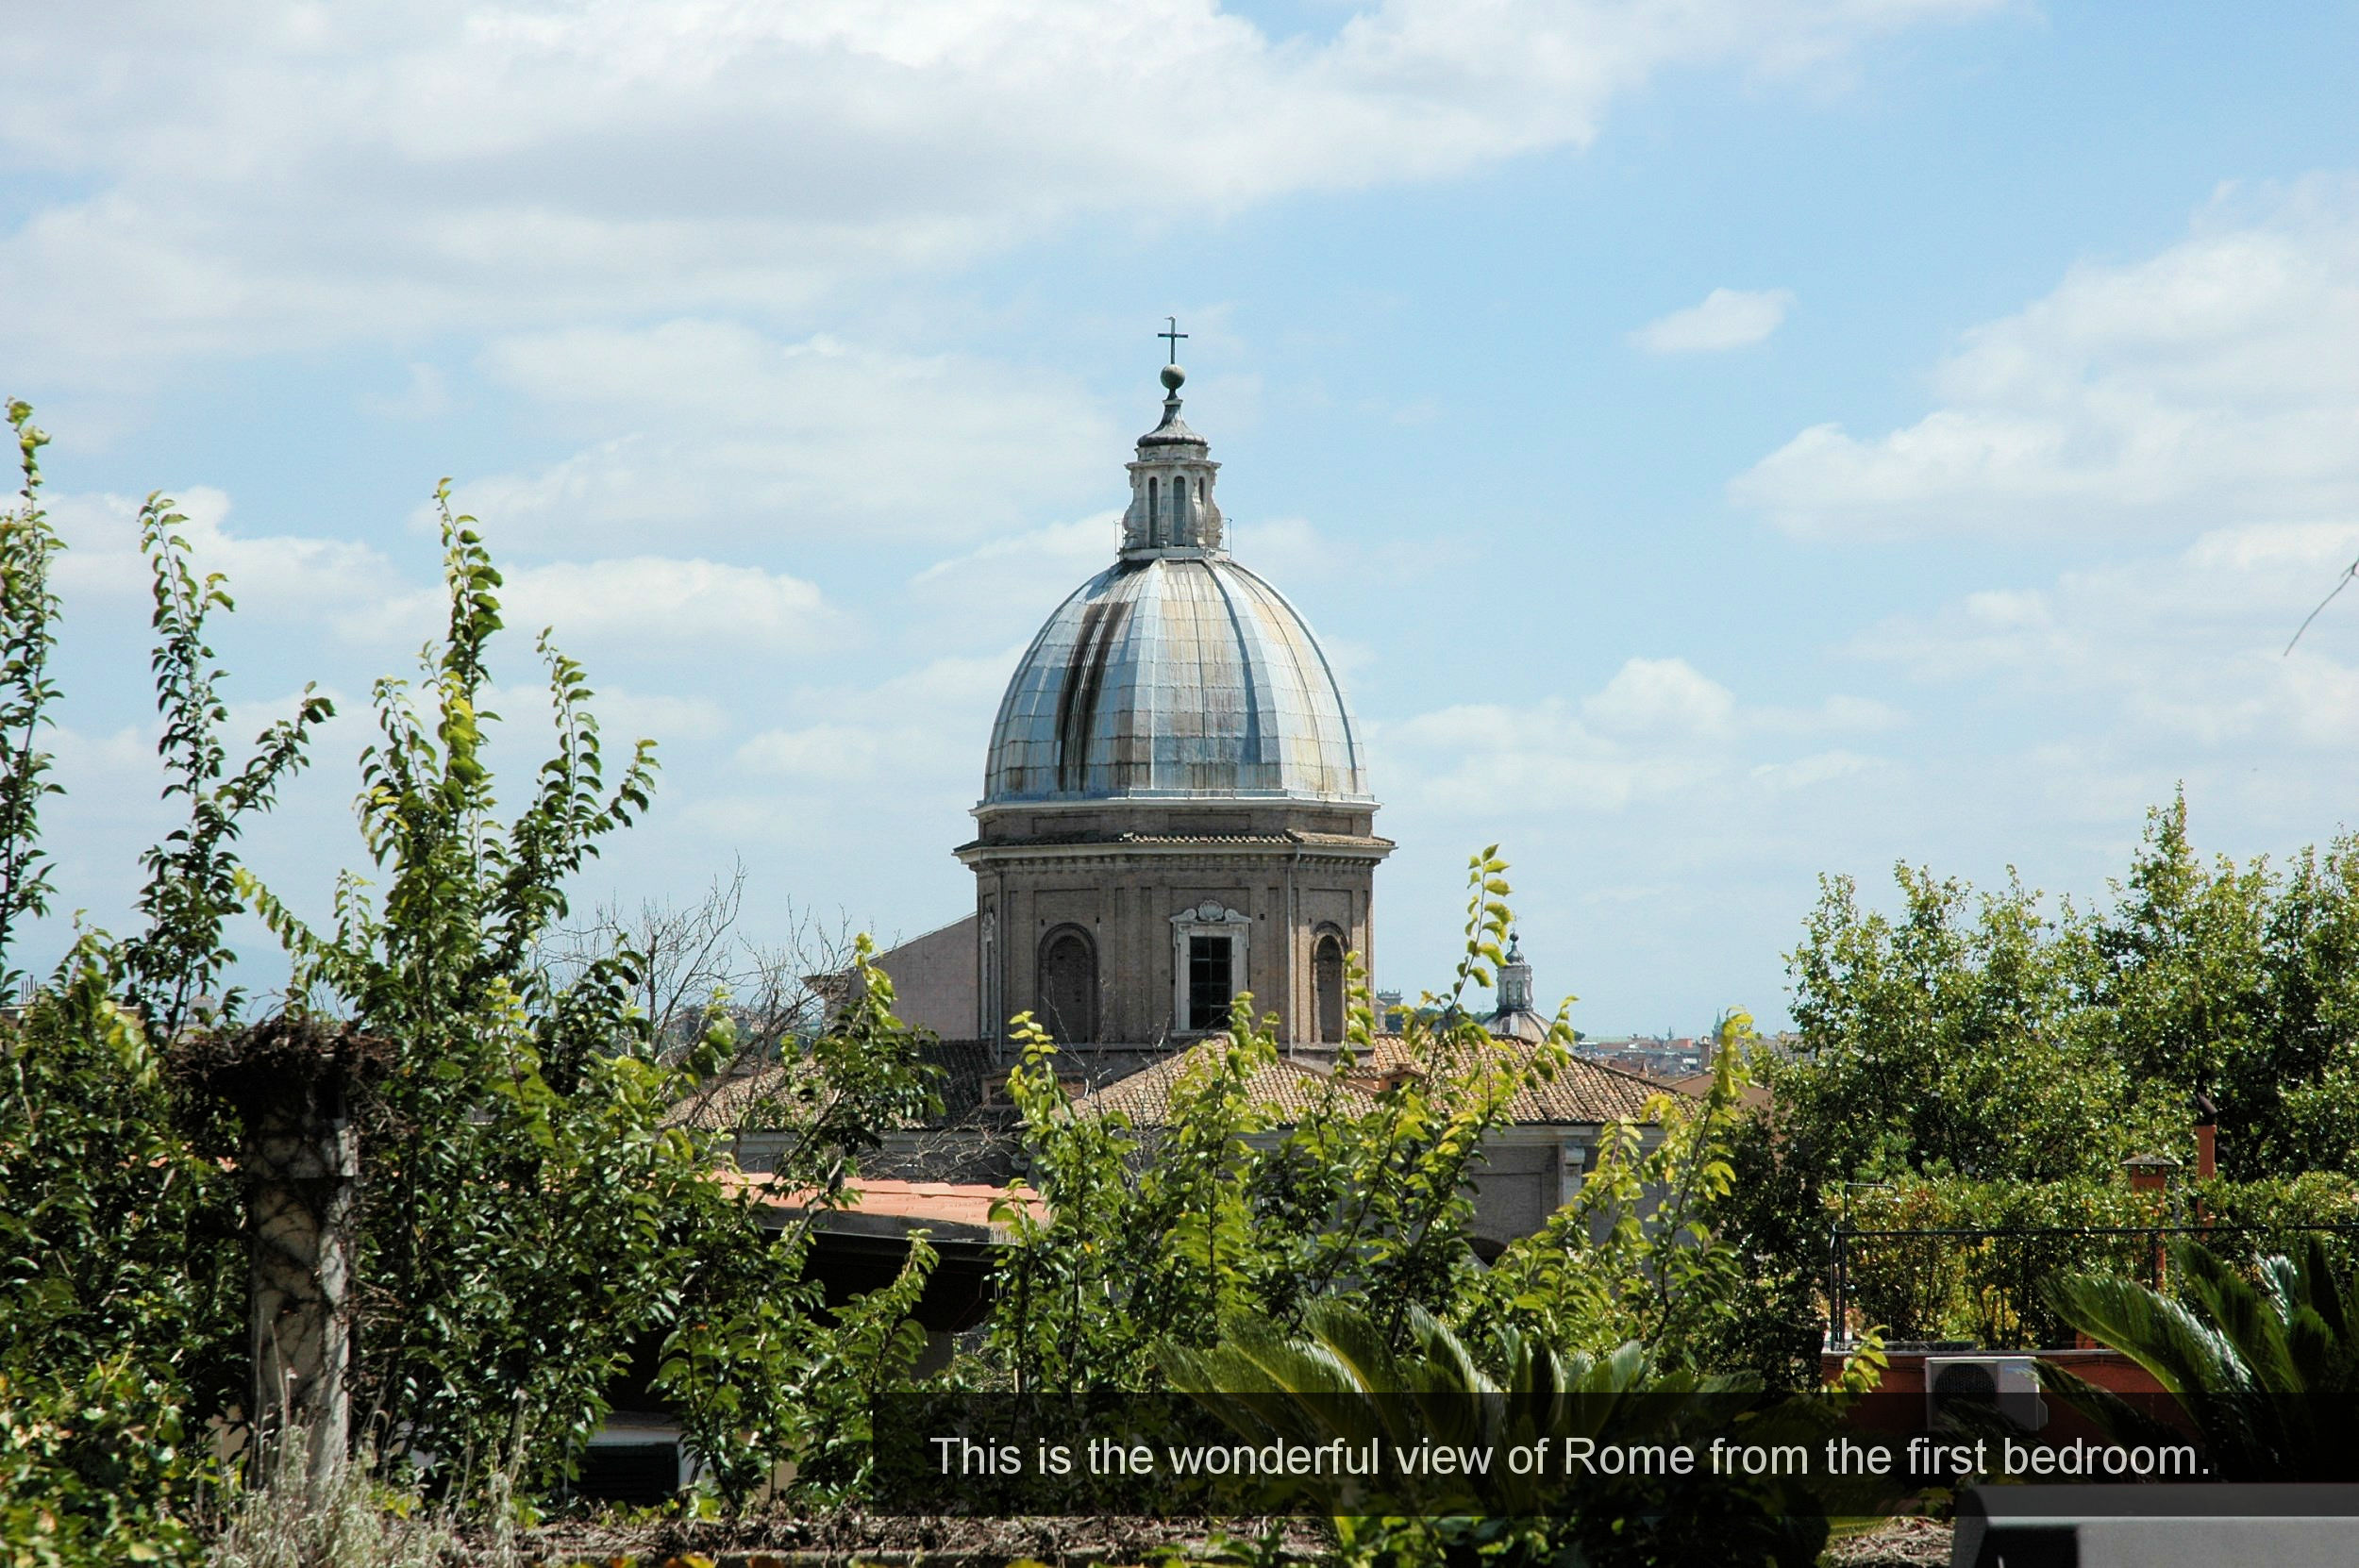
(1249, 743)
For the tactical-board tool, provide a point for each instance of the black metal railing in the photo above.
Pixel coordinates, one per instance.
(1984, 1283)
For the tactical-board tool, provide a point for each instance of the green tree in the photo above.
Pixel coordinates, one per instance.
(1138, 1237)
(761, 1373)
(534, 1207)
(1224, 1214)
(2182, 989)
(192, 877)
(1993, 1060)
(1989, 1037)
(1954, 1035)
(1639, 1255)
(516, 1170)
(532, 1212)
(2294, 1104)
(121, 1272)
(118, 1296)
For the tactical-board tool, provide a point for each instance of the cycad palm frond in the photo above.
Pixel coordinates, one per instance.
(1339, 1379)
(2182, 1352)
(2264, 1372)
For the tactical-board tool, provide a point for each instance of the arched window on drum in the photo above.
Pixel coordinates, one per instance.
(1327, 984)
(1067, 988)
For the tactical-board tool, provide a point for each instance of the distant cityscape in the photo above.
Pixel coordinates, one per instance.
(1668, 1057)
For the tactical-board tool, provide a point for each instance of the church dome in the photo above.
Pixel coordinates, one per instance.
(1174, 678)
(1174, 674)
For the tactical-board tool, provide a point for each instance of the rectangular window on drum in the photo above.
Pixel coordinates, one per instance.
(1209, 984)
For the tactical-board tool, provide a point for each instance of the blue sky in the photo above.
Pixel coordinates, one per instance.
(1722, 443)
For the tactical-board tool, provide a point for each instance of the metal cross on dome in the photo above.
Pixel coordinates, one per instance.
(1173, 336)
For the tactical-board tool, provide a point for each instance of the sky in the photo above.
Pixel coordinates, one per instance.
(1723, 443)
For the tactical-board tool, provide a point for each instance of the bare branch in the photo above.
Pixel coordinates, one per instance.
(695, 957)
(2344, 581)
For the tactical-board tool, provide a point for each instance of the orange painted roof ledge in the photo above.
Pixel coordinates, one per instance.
(906, 1205)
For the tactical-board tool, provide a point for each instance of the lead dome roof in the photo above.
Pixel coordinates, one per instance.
(1176, 673)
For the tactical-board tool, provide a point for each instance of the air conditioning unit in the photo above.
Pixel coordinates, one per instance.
(2008, 1384)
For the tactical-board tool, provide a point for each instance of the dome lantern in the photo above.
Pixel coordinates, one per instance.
(1172, 509)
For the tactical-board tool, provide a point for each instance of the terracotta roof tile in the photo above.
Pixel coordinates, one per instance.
(969, 1069)
(1145, 1097)
(1753, 1096)
(1581, 1091)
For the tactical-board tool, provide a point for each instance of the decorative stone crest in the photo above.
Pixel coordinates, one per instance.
(1211, 912)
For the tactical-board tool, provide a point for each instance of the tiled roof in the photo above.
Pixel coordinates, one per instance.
(1290, 838)
(968, 1067)
(1145, 1097)
(1581, 1091)
(1587, 1092)
(723, 1104)
(1753, 1096)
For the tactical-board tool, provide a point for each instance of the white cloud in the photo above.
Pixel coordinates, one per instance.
(1655, 695)
(918, 733)
(1660, 729)
(2218, 381)
(351, 586)
(2166, 658)
(1835, 715)
(425, 396)
(654, 603)
(649, 604)
(1005, 587)
(834, 754)
(667, 719)
(714, 430)
(2059, 709)
(259, 176)
(1293, 554)
(1726, 318)
(1819, 768)
(1486, 760)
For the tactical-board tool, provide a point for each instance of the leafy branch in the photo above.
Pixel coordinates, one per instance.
(28, 619)
(192, 877)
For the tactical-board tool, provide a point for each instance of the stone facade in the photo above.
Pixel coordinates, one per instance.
(933, 980)
(1127, 903)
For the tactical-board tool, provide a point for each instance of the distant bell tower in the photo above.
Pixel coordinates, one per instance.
(1175, 805)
